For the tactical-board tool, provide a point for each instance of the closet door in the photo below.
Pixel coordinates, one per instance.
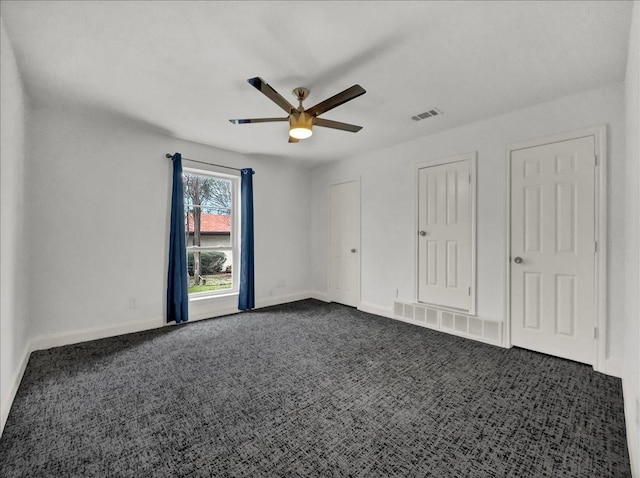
(553, 248)
(344, 243)
(445, 241)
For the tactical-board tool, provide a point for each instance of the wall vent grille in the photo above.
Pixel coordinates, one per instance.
(427, 114)
(484, 330)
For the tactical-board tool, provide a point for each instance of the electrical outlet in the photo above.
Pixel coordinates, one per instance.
(280, 284)
(133, 303)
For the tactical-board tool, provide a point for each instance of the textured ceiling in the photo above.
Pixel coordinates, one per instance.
(182, 66)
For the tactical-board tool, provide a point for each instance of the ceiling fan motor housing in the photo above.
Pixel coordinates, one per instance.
(300, 124)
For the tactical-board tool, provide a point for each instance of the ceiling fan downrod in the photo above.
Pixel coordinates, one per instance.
(302, 94)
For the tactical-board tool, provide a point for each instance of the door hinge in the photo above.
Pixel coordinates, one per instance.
(596, 160)
(595, 246)
(469, 179)
(595, 332)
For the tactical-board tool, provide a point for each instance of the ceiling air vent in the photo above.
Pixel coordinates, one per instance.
(427, 114)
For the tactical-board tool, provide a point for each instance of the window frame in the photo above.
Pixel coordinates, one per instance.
(216, 172)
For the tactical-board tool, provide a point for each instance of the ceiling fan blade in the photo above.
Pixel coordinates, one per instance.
(270, 93)
(336, 125)
(336, 100)
(293, 140)
(257, 120)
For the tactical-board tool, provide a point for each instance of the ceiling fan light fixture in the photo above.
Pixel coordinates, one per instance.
(300, 125)
(301, 120)
(300, 133)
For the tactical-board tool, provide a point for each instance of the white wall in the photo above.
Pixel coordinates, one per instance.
(98, 224)
(631, 377)
(388, 202)
(13, 283)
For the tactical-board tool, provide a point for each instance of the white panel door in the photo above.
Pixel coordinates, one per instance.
(553, 248)
(344, 243)
(444, 241)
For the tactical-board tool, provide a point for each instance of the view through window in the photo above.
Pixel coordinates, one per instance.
(210, 232)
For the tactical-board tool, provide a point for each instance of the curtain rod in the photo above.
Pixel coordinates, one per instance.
(169, 156)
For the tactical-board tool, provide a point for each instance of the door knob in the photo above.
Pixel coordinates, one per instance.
(518, 260)
(353, 250)
(423, 233)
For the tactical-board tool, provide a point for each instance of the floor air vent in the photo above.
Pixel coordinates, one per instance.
(427, 114)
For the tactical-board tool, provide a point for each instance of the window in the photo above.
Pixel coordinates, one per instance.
(211, 226)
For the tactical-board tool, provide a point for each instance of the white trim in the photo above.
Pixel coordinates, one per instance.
(322, 296)
(375, 310)
(600, 136)
(204, 169)
(194, 298)
(197, 167)
(506, 338)
(474, 212)
(195, 317)
(282, 299)
(260, 303)
(630, 412)
(59, 339)
(613, 367)
(358, 181)
(472, 157)
(7, 400)
(43, 342)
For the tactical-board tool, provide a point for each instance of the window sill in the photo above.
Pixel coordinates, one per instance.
(211, 297)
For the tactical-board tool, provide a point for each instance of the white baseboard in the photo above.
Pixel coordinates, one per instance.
(59, 339)
(633, 429)
(282, 299)
(612, 367)
(316, 294)
(66, 338)
(194, 317)
(7, 400)
(375, 310)
(261, 303)
(43, 342)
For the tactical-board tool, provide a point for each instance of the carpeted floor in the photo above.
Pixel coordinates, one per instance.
(310, 389)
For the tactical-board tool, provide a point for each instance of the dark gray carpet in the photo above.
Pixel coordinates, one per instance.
(310, 389)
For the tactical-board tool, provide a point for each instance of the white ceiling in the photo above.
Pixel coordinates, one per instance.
(182, 66)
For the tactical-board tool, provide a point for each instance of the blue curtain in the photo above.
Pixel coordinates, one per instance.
(246, 300)
(177, 293)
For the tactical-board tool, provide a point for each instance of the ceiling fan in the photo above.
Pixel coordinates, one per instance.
(301, 121)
